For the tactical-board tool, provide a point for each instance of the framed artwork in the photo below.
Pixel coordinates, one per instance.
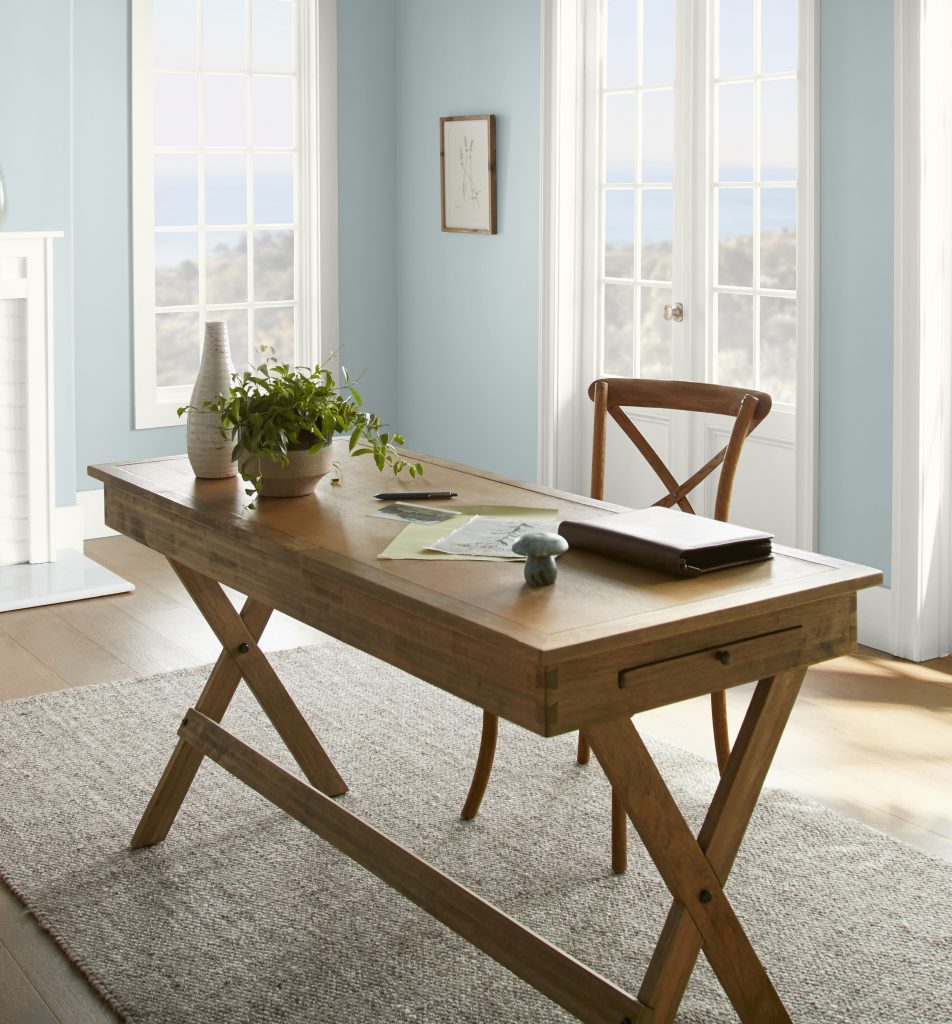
(468, 174)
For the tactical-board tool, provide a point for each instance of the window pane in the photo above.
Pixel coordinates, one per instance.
(778, 348)
(735, 131)
(237, 321)
(272, 35)
(226, 110)
(735, 340)
(273, 111)
(621, 42)
(778, 238)
(274, 188)
(176, 269)
(226, 266)
(226, 189)
(274, 266)
(620, 118)
(658, 140)
(274, 330)
(177, 348)
(735, 236)
(620, 233)
(735, 23)
(658, 52)
(619, 350)
(656, 234)
(176, 110)
(778, 21)
(778, 118)
(225, 35)
(655, 339)
(175, 37)
(176, 190)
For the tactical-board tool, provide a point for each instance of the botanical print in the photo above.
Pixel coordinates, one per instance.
(469, 191)
(467, 185)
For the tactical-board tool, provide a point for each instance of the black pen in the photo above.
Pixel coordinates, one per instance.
(415, 495)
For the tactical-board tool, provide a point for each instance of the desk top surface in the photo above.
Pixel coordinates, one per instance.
(330, 535)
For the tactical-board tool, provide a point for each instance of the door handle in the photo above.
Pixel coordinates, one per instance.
(675, 312)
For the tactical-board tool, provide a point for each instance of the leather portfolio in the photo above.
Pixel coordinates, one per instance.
(669, 540)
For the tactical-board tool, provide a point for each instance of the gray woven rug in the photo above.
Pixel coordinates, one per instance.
(244, 915)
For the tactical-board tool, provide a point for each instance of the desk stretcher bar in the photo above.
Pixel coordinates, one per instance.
(571, 984)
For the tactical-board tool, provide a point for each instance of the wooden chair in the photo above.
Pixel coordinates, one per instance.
(611, 397)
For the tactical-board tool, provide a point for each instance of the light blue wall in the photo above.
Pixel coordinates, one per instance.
(856, 280)
(103, 245)
(36, 157)
(367, 188)
(468, 304)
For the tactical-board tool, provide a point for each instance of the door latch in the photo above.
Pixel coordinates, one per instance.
(675, 312)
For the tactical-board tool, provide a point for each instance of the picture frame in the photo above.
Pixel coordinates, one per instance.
(468, 174)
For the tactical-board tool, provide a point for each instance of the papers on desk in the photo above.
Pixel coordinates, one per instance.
(486, 537)
(406, 512)
(419, 540)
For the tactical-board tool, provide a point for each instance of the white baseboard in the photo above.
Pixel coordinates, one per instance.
(94, 515)
(68, 528)
(874, 619)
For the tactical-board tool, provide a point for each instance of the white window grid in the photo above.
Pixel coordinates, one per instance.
(757, 185)
(315, 236)
(250, 150)
(637, 282)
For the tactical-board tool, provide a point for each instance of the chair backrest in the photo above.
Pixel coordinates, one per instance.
(612, 395)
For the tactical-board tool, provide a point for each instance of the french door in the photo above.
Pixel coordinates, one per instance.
(697, 265)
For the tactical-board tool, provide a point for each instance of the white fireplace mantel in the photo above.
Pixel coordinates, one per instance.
(26, 396)
(27, 491)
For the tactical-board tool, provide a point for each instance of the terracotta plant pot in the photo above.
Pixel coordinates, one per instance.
(297, 478)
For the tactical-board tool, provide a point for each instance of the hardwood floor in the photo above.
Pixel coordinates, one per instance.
(871, 737)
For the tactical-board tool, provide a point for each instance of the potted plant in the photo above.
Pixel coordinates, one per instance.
(282, 420)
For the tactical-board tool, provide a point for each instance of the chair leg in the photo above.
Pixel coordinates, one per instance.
(484, 766)
(584, 750)
(722, 740)
(619, 836)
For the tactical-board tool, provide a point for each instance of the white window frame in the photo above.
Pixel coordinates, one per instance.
(317, 293)
(569, 245)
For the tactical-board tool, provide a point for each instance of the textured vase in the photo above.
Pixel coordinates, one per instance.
(209, 452)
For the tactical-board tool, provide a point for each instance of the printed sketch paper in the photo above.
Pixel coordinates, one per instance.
(486, 537)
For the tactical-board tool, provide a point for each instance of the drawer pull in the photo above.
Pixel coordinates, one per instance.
(749, 658)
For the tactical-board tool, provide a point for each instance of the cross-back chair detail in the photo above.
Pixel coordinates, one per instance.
(611, 396)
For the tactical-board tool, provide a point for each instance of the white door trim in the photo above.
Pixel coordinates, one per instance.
(561, 91)
(808, 292)
(920, 621)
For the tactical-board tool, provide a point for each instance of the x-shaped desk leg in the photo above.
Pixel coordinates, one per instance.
(240, 658)
(696, 870)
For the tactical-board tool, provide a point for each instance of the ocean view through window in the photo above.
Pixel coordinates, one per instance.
(217, 187)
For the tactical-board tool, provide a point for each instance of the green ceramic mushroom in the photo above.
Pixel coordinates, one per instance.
(540, 550)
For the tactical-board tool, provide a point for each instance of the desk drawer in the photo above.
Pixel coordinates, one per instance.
(740, 661)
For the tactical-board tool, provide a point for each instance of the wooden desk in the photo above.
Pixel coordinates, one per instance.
(608, 640)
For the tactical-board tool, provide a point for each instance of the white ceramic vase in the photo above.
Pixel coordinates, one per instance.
(209, 452)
